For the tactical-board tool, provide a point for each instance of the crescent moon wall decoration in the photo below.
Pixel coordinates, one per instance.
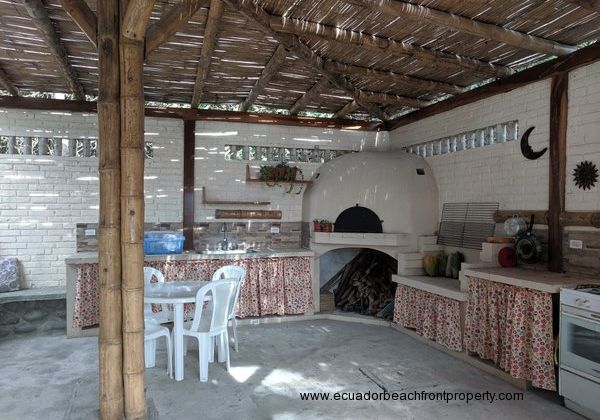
(526, 149)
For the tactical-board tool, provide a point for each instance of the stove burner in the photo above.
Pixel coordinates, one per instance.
(593, 289)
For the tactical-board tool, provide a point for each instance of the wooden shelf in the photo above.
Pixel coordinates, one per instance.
(249, 203)
(250, 179)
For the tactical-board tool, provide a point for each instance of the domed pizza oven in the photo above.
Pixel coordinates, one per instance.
(374, 192)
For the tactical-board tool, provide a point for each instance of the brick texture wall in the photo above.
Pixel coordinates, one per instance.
(500, 173)
(43, 198)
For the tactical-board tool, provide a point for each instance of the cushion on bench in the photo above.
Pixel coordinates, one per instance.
(9, 274)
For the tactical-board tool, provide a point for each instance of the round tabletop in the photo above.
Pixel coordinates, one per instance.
(173, 292)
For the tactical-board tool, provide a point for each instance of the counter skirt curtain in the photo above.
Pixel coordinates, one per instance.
(431, 316)
(512, 326)
(273, 286)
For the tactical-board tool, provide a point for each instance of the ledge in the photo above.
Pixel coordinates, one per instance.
(92, 257)
(27, 295)
(441, 286)
(542, 280)
(374, 239)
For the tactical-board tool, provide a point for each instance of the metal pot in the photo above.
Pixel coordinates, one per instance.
(515, 226)
(529, 248)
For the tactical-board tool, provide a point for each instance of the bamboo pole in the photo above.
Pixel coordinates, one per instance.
(109, 245)
(132, 224)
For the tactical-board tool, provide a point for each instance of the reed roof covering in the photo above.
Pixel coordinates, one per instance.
(358, 58)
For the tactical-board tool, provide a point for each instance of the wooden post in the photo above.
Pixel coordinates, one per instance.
(189, 147)
(132, 223)
(559, 107)
(110, 341)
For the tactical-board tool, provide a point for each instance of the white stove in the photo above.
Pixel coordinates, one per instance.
(579, 379)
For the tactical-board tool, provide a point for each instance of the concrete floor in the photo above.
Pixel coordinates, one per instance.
(52, 377)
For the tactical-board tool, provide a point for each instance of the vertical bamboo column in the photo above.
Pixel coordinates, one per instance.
(132, 224)
(109, 229)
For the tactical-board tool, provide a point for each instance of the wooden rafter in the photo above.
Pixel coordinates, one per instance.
(208, 45)
(593, 5)
(459, 23)
(390, 76)
(176, 17)
(83, 17)
(579, 58)
(136, 18)
(261, 20)
(310, 95)
(347, 109)
(5, 83)
(41, 20)
(387, 99)
(270, 70)
(385, 45)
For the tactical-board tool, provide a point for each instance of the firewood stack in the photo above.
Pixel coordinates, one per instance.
(365, 284)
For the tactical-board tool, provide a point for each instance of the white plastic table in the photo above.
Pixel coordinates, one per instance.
(176, 293)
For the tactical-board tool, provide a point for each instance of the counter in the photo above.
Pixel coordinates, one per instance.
(277, 282)
(510, 319)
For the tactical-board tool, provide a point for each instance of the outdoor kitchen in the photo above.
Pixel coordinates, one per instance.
(268, 209)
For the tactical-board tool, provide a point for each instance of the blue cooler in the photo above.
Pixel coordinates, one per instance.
(163, 242)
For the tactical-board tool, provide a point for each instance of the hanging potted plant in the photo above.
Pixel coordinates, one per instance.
(279, 174)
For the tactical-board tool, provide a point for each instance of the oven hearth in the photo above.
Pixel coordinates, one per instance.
(364, 285)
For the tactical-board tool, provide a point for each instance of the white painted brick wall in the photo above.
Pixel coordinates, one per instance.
(225, 179)
(42, 198)
(583, 134)
(497, 173)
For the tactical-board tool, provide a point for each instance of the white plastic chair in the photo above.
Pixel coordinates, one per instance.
(164, 315)
(152, 328)
(211, 322)
(152, 332)
(238, 273)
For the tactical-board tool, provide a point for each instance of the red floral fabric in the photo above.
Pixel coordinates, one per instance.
(273, 286)
(432, 316)
(513, 327)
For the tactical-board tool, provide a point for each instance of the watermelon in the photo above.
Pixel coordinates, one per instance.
(458, 258)
(442, 260)
(430, 264)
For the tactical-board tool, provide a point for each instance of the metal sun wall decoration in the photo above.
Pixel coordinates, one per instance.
(585, 175)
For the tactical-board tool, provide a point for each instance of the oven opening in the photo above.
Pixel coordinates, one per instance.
(358, 219)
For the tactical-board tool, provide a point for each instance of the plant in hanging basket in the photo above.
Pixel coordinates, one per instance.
(279, 174)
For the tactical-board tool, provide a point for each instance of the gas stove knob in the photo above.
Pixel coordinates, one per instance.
(582, 302)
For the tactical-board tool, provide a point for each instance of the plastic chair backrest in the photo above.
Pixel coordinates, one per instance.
(222, 292)
(234, 272)
(163, 315)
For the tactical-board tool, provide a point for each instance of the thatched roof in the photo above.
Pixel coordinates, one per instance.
(389, 56)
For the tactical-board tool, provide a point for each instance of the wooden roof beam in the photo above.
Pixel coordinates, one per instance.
(208, 45)
(400, 9)
(84, 17)
(347, 109)
(270, 70)
(431, 85)
(261, 20)
(174, 19)
(385, 45)
(7, 85)
(388, 99)
(136, 19)
(593, 5)
(41, 20)
(313, 93)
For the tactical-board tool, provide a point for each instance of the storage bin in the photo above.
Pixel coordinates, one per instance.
(163, 242)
